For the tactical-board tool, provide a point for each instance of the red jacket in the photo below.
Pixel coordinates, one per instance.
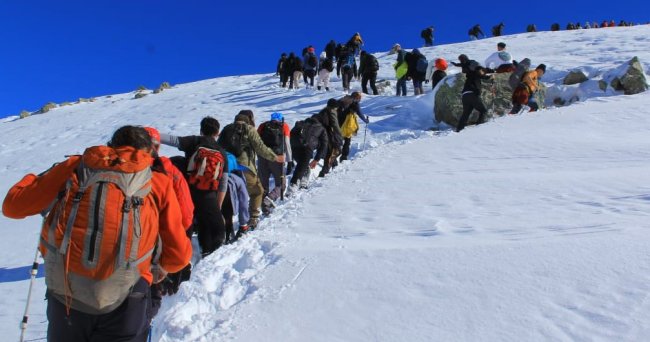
(182, 191)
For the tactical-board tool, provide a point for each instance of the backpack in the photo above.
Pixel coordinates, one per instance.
(233, 138)
(205, 168)
(350, 125)
(349, 61)
(328, 65)
(91, 241)
(422, 64)
(273, 136)
(312, 61)
(306, 133)
(373, 63)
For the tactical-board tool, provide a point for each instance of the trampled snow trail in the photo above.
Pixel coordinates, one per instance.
(530, 227)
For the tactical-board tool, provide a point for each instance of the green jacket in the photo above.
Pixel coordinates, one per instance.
(253, 146)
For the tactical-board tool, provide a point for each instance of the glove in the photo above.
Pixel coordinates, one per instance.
(290, 167)
(366, 119)
(159, 273)
(172, 282)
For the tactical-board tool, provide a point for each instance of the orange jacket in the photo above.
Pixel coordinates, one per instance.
(530, 79)
(182, 191)
(160, 212)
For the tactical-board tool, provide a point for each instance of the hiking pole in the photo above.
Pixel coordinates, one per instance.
(33, 272)
(283, 177)
(365, 130)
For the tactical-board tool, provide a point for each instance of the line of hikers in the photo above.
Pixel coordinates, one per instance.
(118, 219)
(291, 67)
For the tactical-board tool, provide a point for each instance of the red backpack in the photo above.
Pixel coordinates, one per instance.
(205, 168)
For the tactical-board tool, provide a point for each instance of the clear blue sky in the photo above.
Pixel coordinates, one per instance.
(62, 50)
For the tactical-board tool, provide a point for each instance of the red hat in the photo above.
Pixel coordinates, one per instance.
(155, 135)
(311, 49)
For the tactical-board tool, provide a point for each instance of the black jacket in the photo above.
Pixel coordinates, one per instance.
(474, 74)
(330, 49)
(367, 65)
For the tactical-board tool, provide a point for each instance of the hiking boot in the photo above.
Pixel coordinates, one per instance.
(242, 230)
(342, 158)
(318, 87)
(268, 202)
(253, 222)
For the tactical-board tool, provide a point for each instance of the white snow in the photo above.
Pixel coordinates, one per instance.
(527, 228)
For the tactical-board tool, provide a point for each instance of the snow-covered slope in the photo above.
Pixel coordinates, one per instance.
(530, 227)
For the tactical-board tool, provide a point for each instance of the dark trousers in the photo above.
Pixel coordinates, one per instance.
(470, 102)
(208, 220)
(126, 323)
(346, 78)
(309, 75)
(372, 77)
(302, 156)
(284, 77)
(267, 168)
(346, 148)
(228, 211)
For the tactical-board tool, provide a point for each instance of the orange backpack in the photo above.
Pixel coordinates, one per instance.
(94, 239)
(205, 168)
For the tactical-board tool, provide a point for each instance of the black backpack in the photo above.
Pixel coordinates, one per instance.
(233, 138)
(373, 63)
(312, 61)
(273, 137)
(306, 133)
(328, 65)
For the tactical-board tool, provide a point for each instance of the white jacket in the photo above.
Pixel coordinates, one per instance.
(498, 58)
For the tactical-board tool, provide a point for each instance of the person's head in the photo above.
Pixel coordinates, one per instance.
(332, 103)
(501, 46)
(416, 51)
(323, 55)
(356, 96)
(463, 58)
(541, 69)
(397, 47)
(155, 137)
(209, 126)
(363, 53)
(133, 136)
(310, 49)
(246, 115)
(277, 117)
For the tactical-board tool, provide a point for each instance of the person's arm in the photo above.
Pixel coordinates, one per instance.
(176, 247)
(33, 194)
(169, 140)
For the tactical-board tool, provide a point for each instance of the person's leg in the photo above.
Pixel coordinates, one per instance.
(256, 193)
(61, 327)
(326, 165)
(277, 170)
(482, 111)
(373, 81)
(228, 212)
(345, 151)
(301, 157)
(364, 83)
(264, 172)
(468, 107)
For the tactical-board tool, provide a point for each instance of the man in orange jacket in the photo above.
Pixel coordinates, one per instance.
(97, 253)
(525, 91)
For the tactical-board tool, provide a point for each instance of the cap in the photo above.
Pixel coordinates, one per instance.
(154, 134)
(276, 116)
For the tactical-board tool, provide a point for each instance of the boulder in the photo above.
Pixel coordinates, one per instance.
(575, 77)
(496, 95)
(628, 78)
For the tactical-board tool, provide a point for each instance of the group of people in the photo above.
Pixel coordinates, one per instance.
(587, 25)
(525, 82)
(292, 67)
(119, 218)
